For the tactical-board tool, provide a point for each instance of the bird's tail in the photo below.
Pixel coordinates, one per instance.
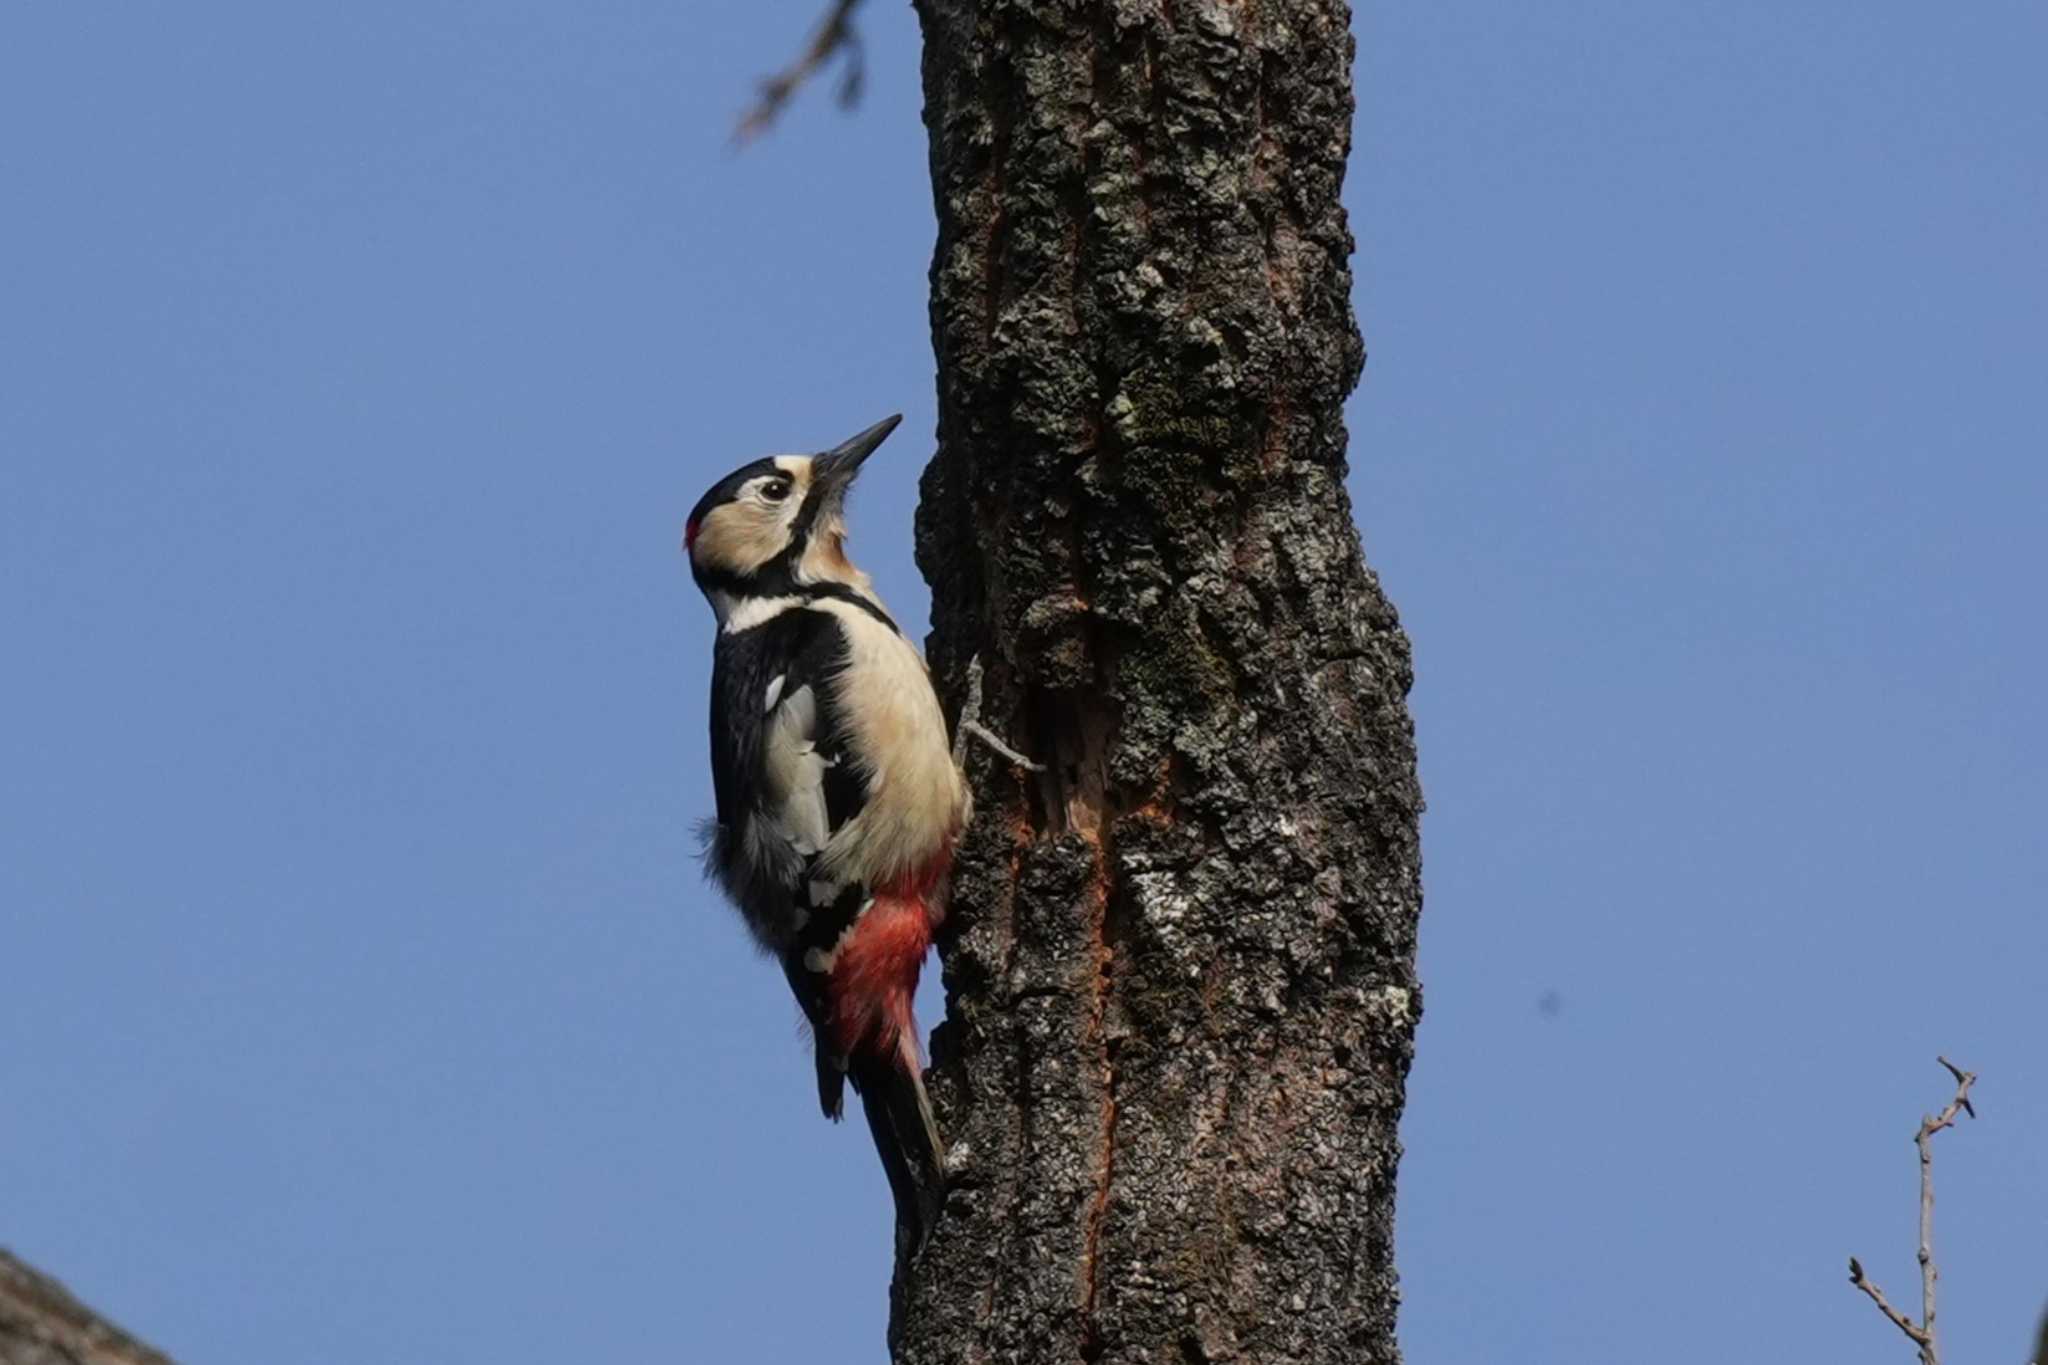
(906, 1136)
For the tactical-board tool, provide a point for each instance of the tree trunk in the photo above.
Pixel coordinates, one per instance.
(1181, 964)
(41, 1324)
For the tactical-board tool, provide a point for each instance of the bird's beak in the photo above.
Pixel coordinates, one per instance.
(834, 470)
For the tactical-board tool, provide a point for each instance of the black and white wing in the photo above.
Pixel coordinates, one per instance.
(784, 784)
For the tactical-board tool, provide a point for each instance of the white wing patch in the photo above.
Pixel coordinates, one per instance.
(774, 691)
(794, 774)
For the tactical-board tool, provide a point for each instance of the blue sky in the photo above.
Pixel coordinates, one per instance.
(358, 996)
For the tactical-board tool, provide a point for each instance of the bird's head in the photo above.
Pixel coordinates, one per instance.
(777, 525)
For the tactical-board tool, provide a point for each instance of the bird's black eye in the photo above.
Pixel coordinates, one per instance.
(776, 491)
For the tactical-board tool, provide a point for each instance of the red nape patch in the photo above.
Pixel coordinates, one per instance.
(875, 975)
(690, 534)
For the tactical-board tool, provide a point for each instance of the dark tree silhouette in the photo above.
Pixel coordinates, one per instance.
(1181, 965)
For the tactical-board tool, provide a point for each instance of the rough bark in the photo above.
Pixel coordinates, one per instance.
(41, 1324)
(1180, 970)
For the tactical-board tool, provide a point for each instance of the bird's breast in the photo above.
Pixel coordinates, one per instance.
(916, 799)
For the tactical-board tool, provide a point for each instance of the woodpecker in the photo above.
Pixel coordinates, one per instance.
(839, 798)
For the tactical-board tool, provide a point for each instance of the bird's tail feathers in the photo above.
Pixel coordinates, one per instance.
(907, 1138)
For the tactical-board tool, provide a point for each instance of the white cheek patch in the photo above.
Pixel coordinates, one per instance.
(749, 612)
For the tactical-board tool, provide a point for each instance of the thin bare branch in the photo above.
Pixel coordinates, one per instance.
(970, 712)
(834, 35)
(1964, 1080)
(970, 724)
(1899, 1320)
(995, 742)
(1923, 1142)
(1923, 1334)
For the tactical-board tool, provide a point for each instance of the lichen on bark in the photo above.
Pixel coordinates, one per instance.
(1180, 971)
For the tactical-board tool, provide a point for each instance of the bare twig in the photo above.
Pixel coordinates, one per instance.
(989, 737)
(1899, 1320)
(970, 724)
(1923, 1334)
(970, 711)
(1964, 1080)
(834, 35)
(1923, 1140)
